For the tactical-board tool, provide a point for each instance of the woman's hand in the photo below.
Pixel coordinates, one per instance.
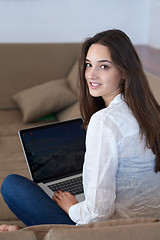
(64, 200)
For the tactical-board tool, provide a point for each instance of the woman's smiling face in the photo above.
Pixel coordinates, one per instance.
(102, 76)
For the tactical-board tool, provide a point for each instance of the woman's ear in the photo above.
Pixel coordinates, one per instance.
(122, 80)
(123, 76)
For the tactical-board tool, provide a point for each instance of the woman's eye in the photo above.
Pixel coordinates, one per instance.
(104, 66)
(88, 65)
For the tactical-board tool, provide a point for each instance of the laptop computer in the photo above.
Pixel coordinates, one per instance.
(55, 156)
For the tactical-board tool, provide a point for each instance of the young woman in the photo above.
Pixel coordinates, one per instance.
(122, 162)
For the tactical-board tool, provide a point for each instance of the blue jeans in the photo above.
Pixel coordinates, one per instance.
(30, 203)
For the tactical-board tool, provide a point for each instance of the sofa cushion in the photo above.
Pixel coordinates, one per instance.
(68, 113)
(17, 235)
(42, 230)
(43, 99)
(72, 78)
(11, 122)
(146, 231)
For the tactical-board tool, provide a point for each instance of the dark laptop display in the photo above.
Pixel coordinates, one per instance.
(54, 151)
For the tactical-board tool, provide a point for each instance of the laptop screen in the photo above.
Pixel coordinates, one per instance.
(55, 150)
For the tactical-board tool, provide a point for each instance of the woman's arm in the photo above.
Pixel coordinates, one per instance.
(100, 167)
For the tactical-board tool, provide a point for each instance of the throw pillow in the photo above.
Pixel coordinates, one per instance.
(43, 99)
(69, 113)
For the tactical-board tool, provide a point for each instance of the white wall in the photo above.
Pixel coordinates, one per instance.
(72, 20)
(154, 28)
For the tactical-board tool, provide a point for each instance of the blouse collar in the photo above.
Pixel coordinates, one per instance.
(117, 99)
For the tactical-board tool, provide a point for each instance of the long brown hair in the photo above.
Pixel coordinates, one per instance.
(134, 89)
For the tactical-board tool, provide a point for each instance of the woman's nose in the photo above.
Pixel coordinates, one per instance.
(92, 74)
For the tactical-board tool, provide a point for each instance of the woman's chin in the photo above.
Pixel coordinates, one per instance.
(94, 93)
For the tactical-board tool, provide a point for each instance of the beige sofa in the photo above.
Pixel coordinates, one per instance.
(38, 85)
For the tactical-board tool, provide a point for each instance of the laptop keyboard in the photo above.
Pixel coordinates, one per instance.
(74, 186)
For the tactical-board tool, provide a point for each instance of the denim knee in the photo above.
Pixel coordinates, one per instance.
(8, 182)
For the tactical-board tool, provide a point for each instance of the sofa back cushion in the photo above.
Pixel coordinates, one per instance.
(25, 65)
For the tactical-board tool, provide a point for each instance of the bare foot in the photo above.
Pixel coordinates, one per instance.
(9, 228)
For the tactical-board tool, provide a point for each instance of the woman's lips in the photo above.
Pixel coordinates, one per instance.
(94, 85)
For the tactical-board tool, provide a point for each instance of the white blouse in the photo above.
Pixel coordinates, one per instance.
(118, 173)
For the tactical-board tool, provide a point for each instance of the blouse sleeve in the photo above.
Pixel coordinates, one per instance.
(99, 172)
